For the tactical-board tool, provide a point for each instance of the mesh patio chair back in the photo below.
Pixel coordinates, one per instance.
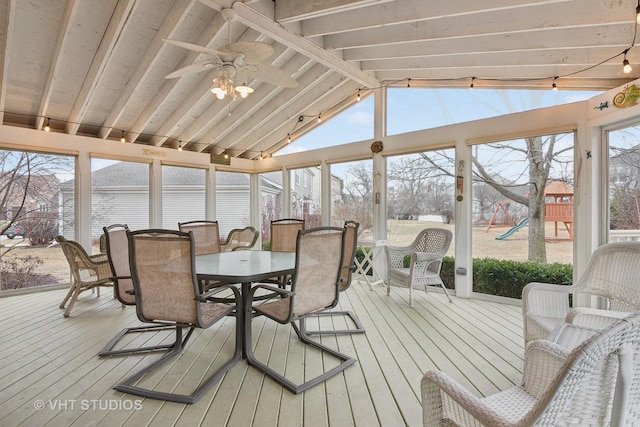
(162, 264)
(284, 233)
(611, 273)
(206, 234)
(117, 250)
(349, 254)
(240, 239)
(315, 288)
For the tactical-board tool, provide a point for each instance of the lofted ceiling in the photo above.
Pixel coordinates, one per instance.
(98, 67)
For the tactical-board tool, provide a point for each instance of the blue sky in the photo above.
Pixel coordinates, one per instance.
(421, 108)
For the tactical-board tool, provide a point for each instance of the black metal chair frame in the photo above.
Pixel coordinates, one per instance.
(127, 385)
(108, 349)
(349, 266)
(345, 360)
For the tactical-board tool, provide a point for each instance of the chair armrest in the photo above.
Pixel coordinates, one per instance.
(216, 290)
(593, 317)
(275, 290)
(543, 360)
(546, 299)
(443, 398)
(396, 254)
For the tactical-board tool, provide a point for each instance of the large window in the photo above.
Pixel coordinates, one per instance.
(411, 109)
(119, 195)
(352, 195)
(182, 195)
(37, 195)
(523, 200)
(271, 202)
(420, 194)
(624, 183)
(232, 201)
(305, 200)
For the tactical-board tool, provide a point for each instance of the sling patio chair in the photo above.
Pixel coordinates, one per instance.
(206, 234)
(117, 249)
(240, 239)
(612, 273)
(284, 233)
(207, 240)
(348, 260)
(89, 271)
(167, 292)
(426, 251)
(315, 288)
(592, 382)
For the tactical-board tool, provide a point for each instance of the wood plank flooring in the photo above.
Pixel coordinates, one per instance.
(49, 361)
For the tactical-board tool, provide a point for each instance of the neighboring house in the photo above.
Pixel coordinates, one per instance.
(40, 204)
(120, 194)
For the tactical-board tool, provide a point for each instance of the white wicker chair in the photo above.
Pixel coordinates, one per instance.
(582, 387)
(427, 251)
(613, 272)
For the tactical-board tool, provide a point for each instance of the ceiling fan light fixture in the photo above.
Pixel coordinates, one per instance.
(244, 90)
(223, 87)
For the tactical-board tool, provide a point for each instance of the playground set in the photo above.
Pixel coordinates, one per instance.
(558, 209)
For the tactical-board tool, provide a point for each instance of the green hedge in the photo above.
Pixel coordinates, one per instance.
(507, 278)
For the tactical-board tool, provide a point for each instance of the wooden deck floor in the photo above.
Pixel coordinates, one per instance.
(50, 374)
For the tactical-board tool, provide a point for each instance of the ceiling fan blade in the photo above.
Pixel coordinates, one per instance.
(254, 52)
(191, 46)
(196, 67)
(270, 74)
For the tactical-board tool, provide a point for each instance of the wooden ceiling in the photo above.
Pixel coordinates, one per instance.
(98, 67)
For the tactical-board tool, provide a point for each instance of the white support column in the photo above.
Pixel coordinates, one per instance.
(285, 208)
(83, 201)
(255, 199)
(210, 193)
(155, 195)
(380, 166)
(463, 222)
(325, 193)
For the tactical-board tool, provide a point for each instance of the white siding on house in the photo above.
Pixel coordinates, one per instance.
(129, 207)
(232, 209)
(180, 205)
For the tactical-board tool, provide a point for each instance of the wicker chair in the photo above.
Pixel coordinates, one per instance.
(89, 271)
(167, 292)
(348, 261)
(612, 272)
(427, 251)
(592, 385)
(240, 239)
(117, 249)
(315, 288)
(206, 234)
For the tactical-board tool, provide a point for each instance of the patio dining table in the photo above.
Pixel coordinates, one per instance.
(246, 268)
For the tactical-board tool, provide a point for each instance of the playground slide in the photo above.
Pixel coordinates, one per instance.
(513, 229)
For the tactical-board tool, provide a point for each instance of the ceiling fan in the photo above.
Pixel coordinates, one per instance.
(240, 60)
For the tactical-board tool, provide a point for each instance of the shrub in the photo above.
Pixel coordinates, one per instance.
(19, 272)
(507, 278)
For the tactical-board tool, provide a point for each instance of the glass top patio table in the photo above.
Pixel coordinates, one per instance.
(244, 267)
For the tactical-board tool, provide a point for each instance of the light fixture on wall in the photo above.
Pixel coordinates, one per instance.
(46, 126)
(180, 146)
(122, 137)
